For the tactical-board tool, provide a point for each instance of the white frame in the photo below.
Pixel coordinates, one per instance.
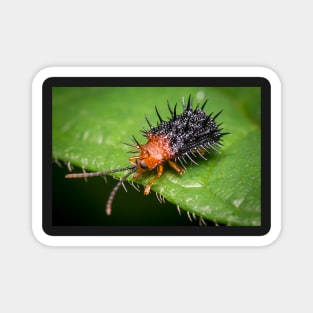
(156, 240)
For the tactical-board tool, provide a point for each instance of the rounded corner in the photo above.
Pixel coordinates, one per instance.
(271, 236)
(42, 76)
(270, 75)
(41, 235)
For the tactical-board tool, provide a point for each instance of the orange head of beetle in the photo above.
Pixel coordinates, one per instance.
(153, 153)
(147, 160)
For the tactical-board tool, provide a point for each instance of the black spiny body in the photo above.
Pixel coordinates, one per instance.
(191, 133)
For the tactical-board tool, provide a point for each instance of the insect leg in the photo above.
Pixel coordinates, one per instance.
(132, 160)
(151, 181)
(138, 174)
(176, 167)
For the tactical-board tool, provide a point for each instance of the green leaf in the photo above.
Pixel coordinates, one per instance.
(89, 124)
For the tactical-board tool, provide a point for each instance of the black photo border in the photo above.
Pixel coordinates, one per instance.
(47, 205)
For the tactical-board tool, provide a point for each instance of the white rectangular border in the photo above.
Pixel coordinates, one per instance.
(156, 240)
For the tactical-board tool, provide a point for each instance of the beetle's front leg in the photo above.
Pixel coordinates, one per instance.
(151, 181)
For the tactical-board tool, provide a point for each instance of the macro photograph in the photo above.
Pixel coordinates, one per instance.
(156, 156)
